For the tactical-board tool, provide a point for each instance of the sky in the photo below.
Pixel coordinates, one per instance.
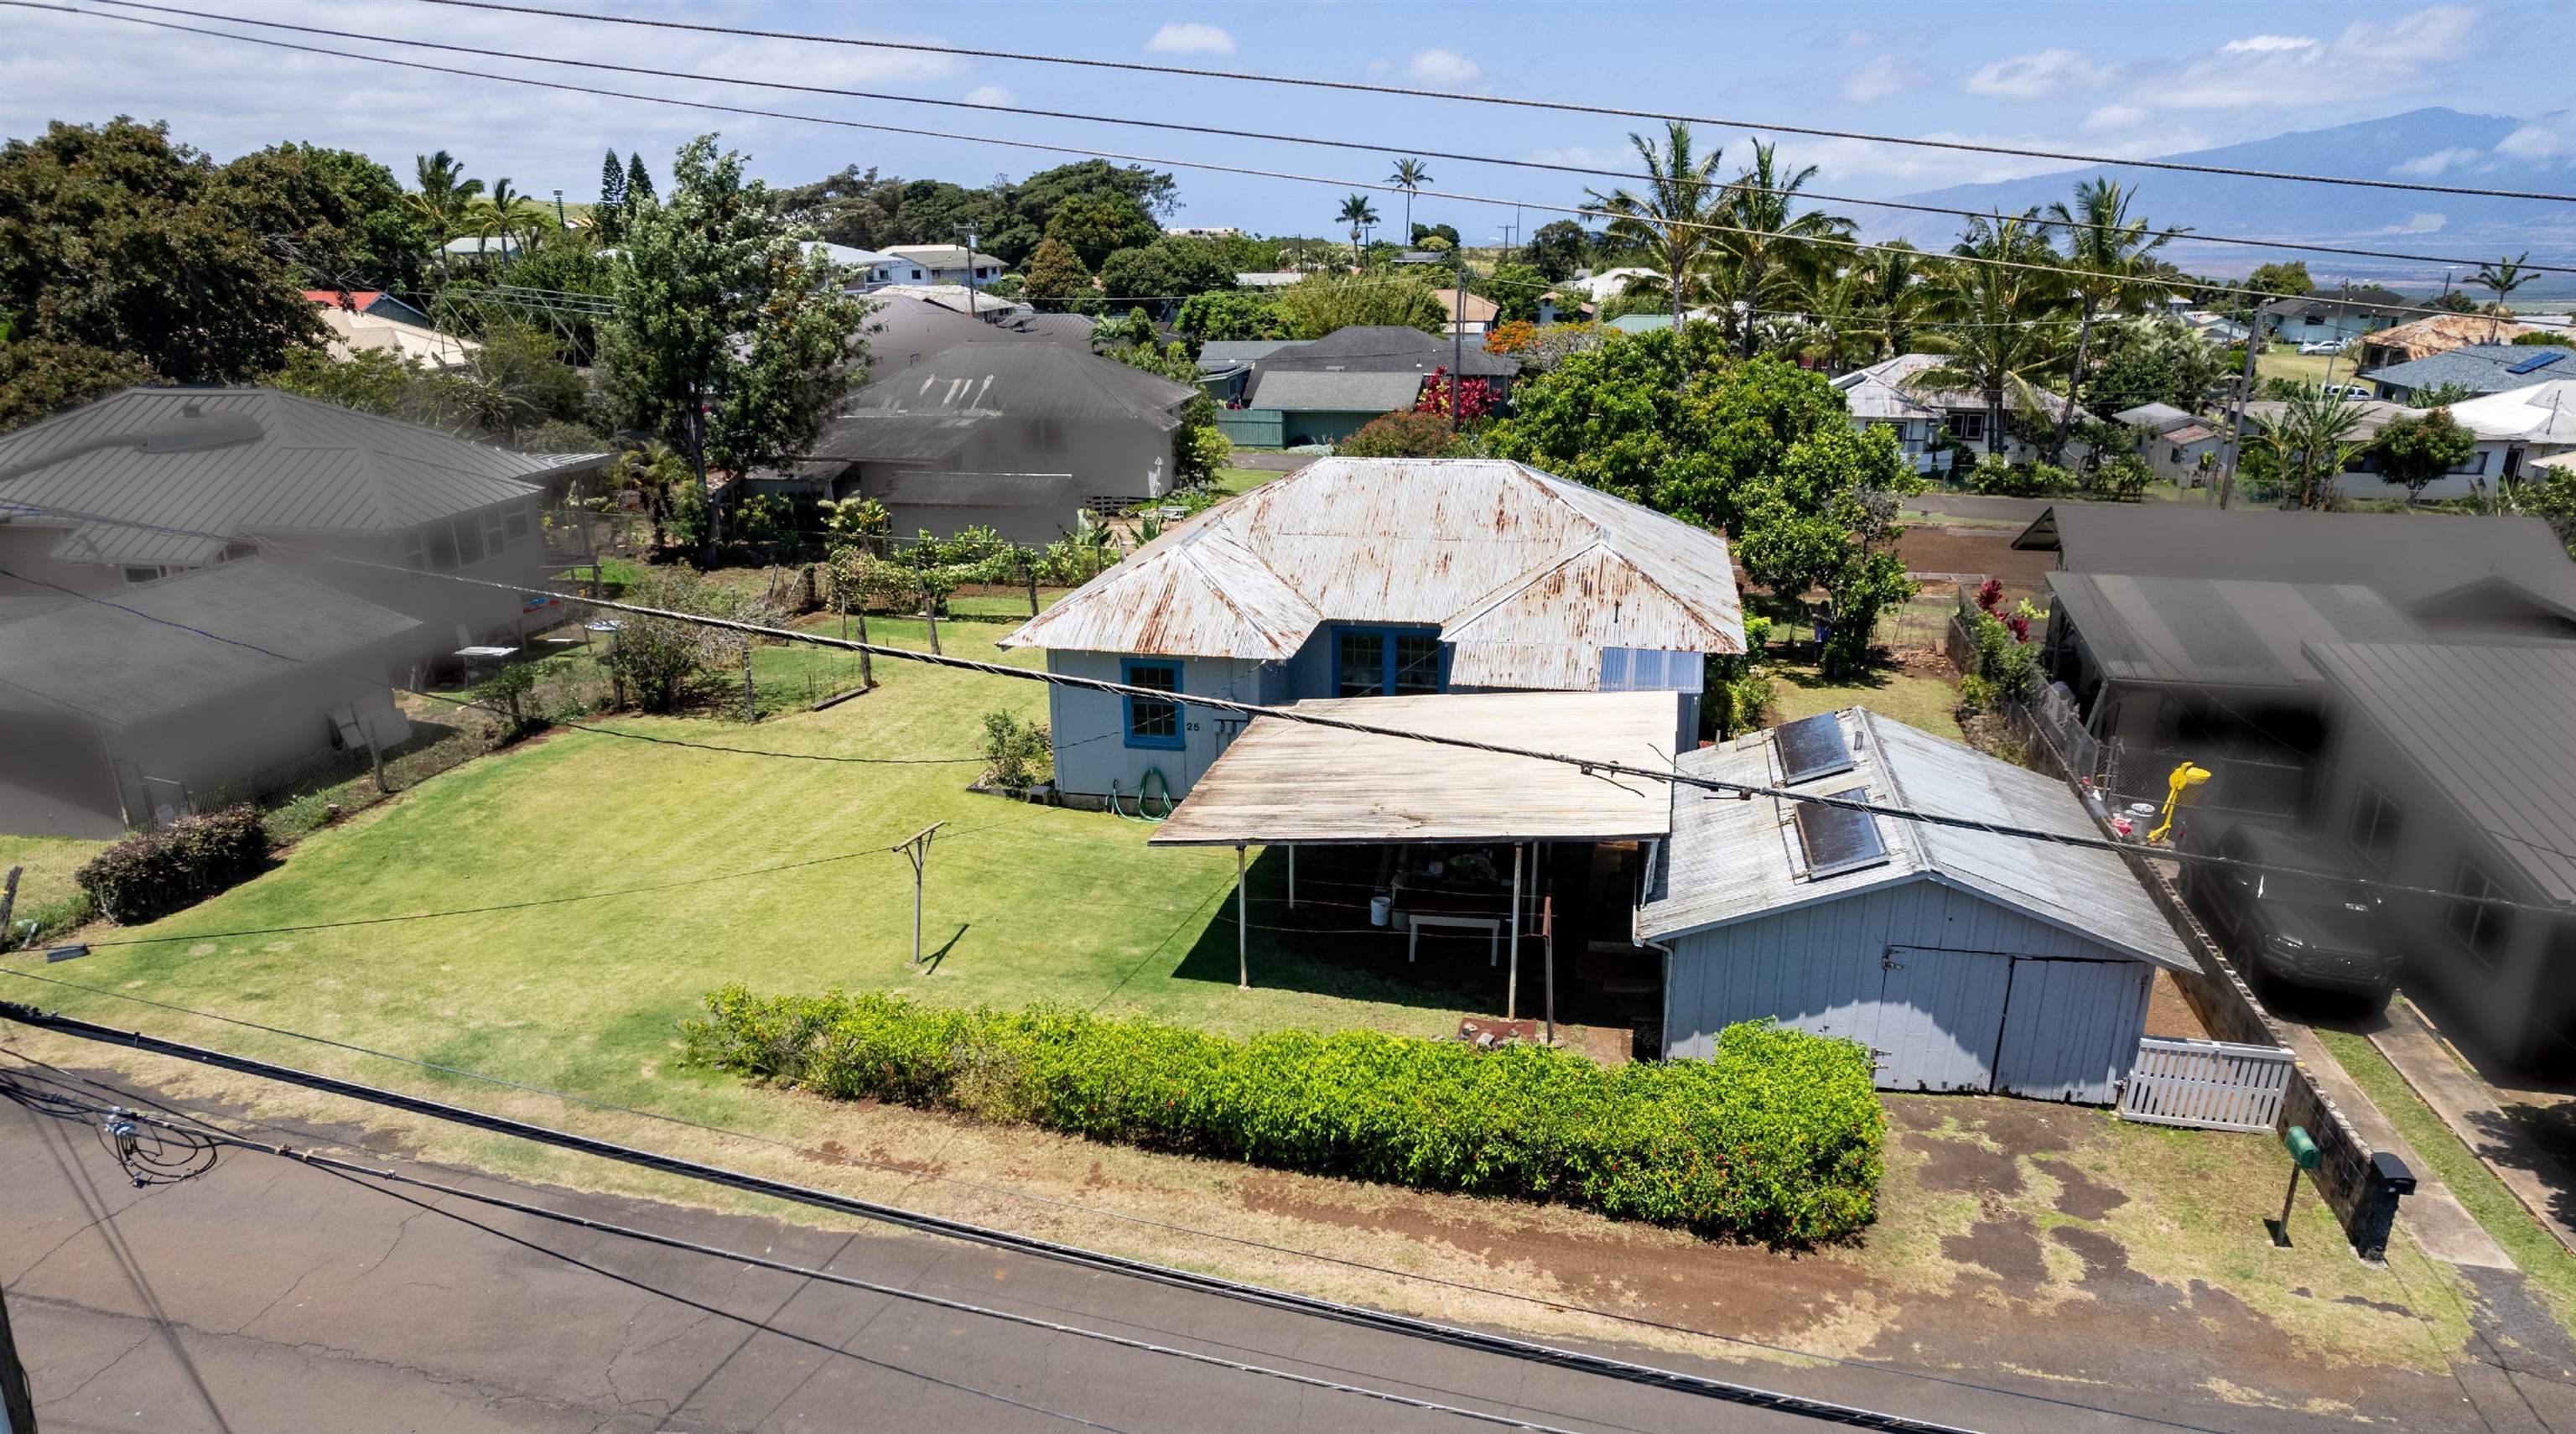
(2117, 80)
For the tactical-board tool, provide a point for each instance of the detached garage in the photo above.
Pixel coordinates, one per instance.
(1964, 961)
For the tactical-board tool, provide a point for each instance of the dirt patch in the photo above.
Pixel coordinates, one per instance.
(2007, 1248)
(2168, 1014)
(2079, 1194)
(1957, 548)
(2106, 1261)
(832, 1152)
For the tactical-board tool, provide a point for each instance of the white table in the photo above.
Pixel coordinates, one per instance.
(1492, 926)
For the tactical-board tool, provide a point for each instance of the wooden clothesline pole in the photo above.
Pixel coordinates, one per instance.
(917, 847)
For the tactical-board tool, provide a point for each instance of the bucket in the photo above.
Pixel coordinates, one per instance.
(1381, 910)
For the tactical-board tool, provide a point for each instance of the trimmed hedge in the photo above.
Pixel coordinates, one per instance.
(1776, 1138)
(151, 874)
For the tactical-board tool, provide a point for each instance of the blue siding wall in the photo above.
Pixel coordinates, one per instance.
(1089, 728)
(1925, 975)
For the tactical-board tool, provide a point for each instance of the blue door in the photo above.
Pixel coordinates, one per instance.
(1940, 1017)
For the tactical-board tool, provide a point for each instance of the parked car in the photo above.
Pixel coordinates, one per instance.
(2312, 931)
(2352, 392)
(2324, 346)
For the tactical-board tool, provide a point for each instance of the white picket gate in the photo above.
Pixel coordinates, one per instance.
(2217, 1085)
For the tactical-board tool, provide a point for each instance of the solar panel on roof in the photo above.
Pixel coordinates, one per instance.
(2535, 363)
(1839, 839)
(1811, 747)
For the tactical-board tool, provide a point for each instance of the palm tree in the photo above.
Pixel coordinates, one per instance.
(1899, 299)
(504, 212)
(2308, 443)
(1998, 315)
(2109, 260)
(1843, 324)
(1771, 249)
(1410, 175)
(445, 193)
(2501, 278)
(1357, 212)
(1669, 223)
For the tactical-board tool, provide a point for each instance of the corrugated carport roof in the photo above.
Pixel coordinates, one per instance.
(2215, 632)
(1284, 783)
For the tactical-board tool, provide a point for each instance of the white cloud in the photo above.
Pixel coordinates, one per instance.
(2037, 75)
(2424, 166)
(2268, 44)
(1191, 38)
(2552, 136)
(2113, 117)
(1444, 67)
(2418, 224)
(990, 95)
(1876, 80)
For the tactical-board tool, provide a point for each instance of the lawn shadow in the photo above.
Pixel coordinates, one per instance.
(1326, 947)
(1811, 679)
(930, 961)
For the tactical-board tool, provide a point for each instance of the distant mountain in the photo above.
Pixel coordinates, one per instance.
(2214, 204)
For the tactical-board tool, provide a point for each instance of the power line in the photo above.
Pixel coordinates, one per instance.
(1587, 211)
(1227, 132)
(1472, 1340)
(1401, 91)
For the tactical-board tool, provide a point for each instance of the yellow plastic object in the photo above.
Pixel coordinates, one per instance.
(2184, 779)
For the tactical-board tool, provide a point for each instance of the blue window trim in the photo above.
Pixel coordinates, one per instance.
(1388, 633)
(1127, 669)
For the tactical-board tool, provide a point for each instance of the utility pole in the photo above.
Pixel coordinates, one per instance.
(1458, 345)
(972, 311)
(2236, 408)
(917, 847)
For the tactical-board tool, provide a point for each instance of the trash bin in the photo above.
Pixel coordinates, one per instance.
(2390, 1181)
(1381, 909)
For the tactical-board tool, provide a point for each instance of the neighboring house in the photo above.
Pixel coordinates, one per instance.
(2206, 665)
(1202, 231)
(1874, 402)
(2456, 577)
(1964, 961)
(958, 298)
(2438, 334)
(234, 466)
(1268, 279)
(948, 263)
(2479, 368)
(1393, 348)
(1657, 322)
(2345, 313)
(1608, 284)
(902, 330)
(480, 248)
(129, 710)
(1480, 312)
(357, 331)
(1962, 411)
(2452, 770)
(1379, 577)
(1318, 407)
(1015, 436)
(2511, 429)
(1227, 366)
(871, 271)
(374, 303)
(2215, 328)
(2178, 446)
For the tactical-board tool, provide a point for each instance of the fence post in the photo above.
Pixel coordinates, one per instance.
(930, 613)
(1029, 568)
(376, 760)
(750, 702)
(867, 675)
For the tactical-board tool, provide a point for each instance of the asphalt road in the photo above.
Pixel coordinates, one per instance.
(273, 1296)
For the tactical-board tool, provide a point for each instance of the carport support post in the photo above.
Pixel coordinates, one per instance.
(1512, 981)
(1292, 884)
(1547, 942)
(1242, 933)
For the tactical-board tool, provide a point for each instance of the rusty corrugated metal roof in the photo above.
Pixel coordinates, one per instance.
(1529, 576)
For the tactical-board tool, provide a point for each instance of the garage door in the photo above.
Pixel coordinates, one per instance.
(1940, 1017)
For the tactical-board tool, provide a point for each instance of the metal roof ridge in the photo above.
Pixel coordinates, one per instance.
(1868, 722)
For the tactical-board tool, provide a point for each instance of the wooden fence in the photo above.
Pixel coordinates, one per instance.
(1253, 427)
(2216, 1085)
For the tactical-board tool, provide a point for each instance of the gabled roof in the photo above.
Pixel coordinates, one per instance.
(2441, 333)
(2481, 368)
(1298, 391)
(940, 256)
(2162, 417)
(1869, 395)
(1900, 373)
(1529, 577)
(1023, 380)
(2488, 728)
(2218, 632)
(128, 657)
(2411, 559)
(1732, 860)
(1230, 353)
(2543, 414)
(903, 330)
(241, 461)
(1391, 348)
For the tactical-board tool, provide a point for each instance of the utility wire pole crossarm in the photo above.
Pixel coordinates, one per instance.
(917, 847)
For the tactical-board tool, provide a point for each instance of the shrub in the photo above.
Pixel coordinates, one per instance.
(151, 874)
(2004, 655)
(1774, 1138)
(2120, 477)
(1015, 749)
(1410, 434)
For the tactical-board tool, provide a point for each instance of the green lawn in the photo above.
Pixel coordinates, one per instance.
(47, 864)
(2493, 1206)
(1231, 481)
(1930, 703)
(2285, 361)
(1027, 903)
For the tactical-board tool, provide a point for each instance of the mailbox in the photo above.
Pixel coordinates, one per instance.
(2303, 1151)
(2392, 1174)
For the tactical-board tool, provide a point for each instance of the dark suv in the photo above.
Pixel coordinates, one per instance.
(2304, 930)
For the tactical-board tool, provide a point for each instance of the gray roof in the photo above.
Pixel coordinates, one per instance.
(166, 456)
(2488, 728)
(1299, 392)
(902, 331)
(1902, 373)
(2159, 416)
(2480, 368)
(125, 657)
(1025, 380)
(975, 490)
(1230, 353)
(1392, 348)
(1732, 860)
(2412, 559)
(2215, 632)
(881, 437)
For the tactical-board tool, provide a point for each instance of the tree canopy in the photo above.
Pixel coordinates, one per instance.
(2418, 448)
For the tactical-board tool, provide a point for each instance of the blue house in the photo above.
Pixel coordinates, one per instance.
(1379, 578)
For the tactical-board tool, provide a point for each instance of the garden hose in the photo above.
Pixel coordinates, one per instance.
(1145, 792)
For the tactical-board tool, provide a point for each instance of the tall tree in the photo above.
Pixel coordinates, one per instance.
(113, 239)
(1558, 248)
(339, 216)
(1410, 175)
(612, 195)
(2501, 278)
(1669, 224)
(1997, 315)
(639, 180)
(2308, 444)
(2110, 260)
(725, 341)
(1358, 213)
(507, 213)
(1769, 244)
(1095, 226)
(1899, 300)
(445, 198)
(1056, 279)
(2420, 447)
